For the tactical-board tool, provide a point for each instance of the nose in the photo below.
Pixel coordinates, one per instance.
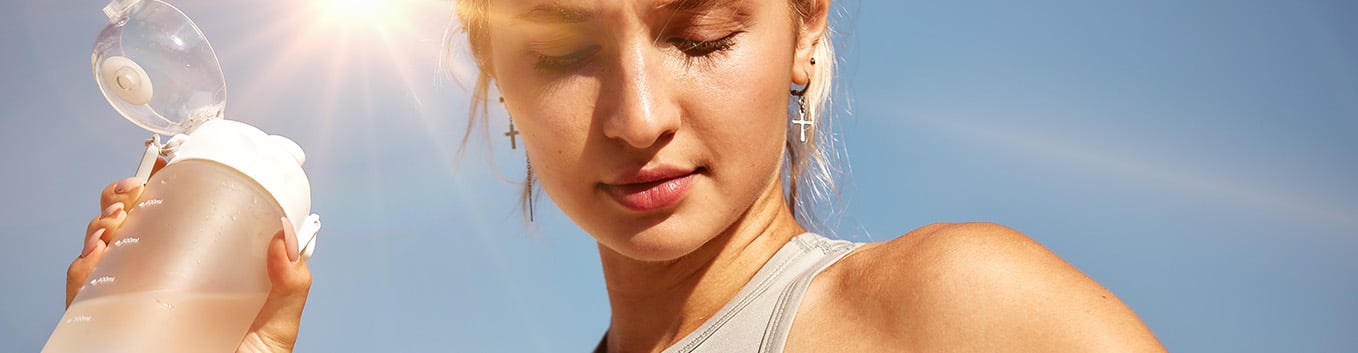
(644, 112)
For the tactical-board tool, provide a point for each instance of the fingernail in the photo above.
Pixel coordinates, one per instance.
(112, 209)
(126, 184)
(92, 242)
(290, 239)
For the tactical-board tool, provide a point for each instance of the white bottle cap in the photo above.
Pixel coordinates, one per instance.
(273, 161)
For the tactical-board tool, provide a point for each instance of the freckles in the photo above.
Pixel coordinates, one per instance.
(740, 109)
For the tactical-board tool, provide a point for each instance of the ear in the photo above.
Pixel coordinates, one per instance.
(813, 27)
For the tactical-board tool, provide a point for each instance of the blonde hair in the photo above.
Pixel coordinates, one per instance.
(810, 167)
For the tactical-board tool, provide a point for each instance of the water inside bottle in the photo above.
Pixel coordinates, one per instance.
(166, 322)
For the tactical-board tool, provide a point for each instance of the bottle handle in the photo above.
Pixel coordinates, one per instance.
(148, 159)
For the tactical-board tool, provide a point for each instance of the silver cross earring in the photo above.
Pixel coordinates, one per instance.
(803, 121)
(512, 133)
(527, 179)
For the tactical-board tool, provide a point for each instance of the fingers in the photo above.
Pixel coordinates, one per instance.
(80, 269)
(99, 232)
(126, 191)
(123, 192)
(107, 222)
(278, 320)
(114, 202)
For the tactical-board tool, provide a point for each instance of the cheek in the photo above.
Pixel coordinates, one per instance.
(741, 110)
(556, 128)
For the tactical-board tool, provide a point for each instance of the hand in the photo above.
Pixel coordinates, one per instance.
(274, 329)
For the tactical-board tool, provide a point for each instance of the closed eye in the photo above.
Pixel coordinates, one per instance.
(564, 62)
(695, 48)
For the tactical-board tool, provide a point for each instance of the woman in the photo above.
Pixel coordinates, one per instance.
(663, 129)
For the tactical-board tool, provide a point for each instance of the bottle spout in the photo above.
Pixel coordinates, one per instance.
(306, 237)
(148, 159)
(117, 9)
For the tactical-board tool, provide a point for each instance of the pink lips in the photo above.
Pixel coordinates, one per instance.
(651, 189)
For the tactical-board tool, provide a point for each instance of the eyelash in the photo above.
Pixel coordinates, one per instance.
(562, 62)
(690, 48)
(695, 48)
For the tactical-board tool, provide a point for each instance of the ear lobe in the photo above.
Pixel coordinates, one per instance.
(813, 28)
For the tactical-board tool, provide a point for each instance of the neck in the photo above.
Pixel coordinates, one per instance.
(657, 303)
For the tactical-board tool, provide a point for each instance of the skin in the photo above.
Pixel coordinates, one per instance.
(637, 103)
(606, 91)
(631, 98)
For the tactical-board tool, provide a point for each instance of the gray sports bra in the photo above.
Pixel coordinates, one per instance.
(759, 317)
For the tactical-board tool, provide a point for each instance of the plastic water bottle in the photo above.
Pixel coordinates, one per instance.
(186, 272)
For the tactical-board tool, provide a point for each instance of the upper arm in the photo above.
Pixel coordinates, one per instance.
(987, 287)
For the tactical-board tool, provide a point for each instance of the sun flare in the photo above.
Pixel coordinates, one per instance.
(367, 13)
(357, 62)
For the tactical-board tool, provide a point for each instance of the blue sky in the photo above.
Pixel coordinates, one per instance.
(1197, 158)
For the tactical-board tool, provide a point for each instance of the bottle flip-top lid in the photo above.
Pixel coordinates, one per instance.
(157, 69)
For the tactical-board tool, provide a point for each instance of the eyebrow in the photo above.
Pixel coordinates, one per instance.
(690, 5)
(555, 13)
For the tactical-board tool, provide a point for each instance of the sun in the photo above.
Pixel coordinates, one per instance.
(360, 13)
(352, 55)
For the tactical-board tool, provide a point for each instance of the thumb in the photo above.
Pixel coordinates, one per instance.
(278, 320)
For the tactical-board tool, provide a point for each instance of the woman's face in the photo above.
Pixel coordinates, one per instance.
(654, 125)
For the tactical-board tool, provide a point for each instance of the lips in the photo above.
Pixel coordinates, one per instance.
(651, 189)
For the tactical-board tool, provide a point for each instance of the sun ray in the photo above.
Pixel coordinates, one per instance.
(1231, 190)
(349, 54)
(330, 96)
(259, 40)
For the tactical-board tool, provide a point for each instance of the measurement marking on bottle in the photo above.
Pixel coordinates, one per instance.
(102, 280)
(80, 318)
(126, 241)
(151, 202)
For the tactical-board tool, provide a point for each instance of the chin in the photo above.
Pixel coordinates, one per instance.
(663, 235)
(661, 242)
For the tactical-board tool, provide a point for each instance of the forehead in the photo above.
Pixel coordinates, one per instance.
(575, 11)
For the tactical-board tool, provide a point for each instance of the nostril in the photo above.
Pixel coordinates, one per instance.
(641, 133)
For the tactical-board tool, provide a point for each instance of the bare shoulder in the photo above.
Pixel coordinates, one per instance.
(982, 287)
